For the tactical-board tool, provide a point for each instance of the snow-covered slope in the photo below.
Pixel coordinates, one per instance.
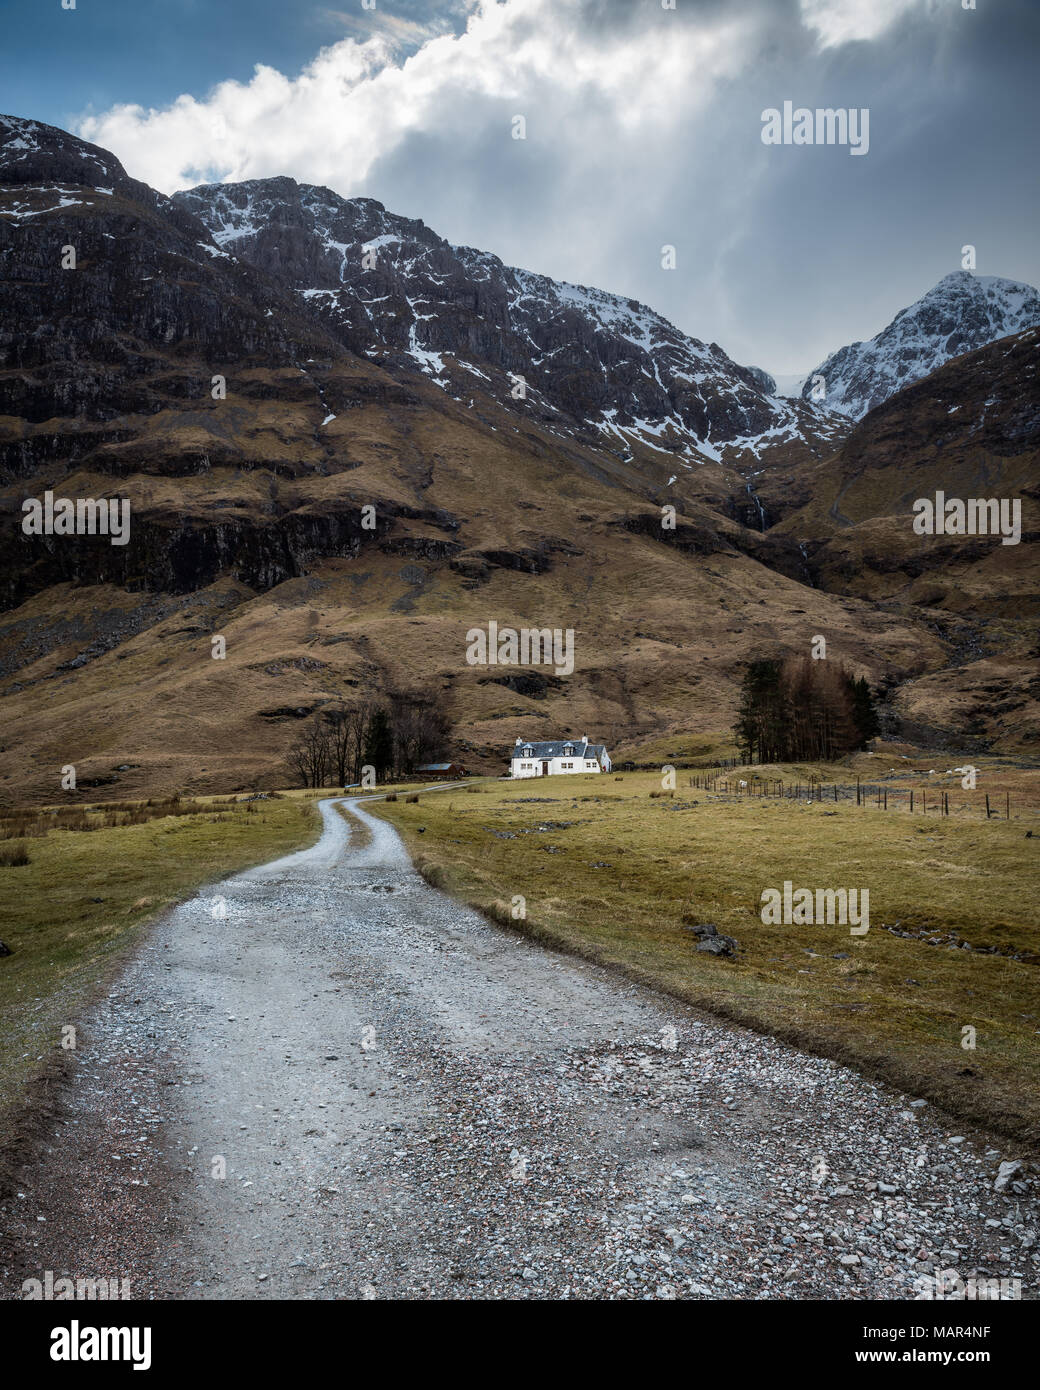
(789, 383)
(603, 369)
(963, 312)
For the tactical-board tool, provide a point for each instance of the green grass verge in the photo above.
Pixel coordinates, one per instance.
(616, 884)
(73, 911)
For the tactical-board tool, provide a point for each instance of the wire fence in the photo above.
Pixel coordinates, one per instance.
(878, 796)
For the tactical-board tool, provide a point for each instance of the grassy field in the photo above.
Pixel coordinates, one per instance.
(73, 911)
(619, 876)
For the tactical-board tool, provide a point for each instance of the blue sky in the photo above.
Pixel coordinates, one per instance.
(643, 129)
(57, 65)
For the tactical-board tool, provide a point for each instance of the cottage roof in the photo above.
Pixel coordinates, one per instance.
(554, 748)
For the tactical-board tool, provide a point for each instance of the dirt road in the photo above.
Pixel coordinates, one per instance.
(324, 1079)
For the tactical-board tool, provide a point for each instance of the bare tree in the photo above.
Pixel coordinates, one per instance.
(421, 728)
(357, 723)
(338, 733)
(298, 762)
(336, 743)
(309, 758)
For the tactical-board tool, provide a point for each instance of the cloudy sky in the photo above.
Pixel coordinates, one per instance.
(643, 129)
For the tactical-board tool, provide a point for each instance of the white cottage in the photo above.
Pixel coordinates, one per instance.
(559, 755)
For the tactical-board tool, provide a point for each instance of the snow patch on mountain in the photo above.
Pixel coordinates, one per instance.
(790, 383)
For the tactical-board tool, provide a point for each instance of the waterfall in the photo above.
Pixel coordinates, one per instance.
(761, 511)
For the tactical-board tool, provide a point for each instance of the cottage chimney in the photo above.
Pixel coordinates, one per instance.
(517, 743)
(584, 738)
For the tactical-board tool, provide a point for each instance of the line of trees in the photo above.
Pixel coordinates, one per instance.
(800, 710)
(393, 738)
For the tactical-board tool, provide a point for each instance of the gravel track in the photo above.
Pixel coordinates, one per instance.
(410, 1102)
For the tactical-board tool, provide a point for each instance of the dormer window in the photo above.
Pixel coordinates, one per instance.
(568, 749)
(527, 752)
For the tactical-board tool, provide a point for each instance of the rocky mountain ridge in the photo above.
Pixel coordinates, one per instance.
(606, 370)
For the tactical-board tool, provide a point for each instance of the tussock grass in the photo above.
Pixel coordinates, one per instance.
(17, 824)
(634, 873)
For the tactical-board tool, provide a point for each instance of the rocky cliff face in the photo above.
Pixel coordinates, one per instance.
(603, 369)
(114, 302)
(963, 312)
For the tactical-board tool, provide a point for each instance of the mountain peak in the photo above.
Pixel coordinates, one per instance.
(32, 152)
(959, 314)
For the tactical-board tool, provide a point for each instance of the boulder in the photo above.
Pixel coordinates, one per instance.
(714, 941)
(1005, 1173)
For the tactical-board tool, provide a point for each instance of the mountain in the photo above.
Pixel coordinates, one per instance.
(767, 382)
(961, 313)
(251, 424)
(603, 370)
(969, 430)
(119, 333)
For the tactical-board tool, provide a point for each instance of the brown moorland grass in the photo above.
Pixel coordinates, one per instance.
(354, 626)
(619, 877)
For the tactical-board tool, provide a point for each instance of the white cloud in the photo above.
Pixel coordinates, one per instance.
(359, 99)
(845, 21)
